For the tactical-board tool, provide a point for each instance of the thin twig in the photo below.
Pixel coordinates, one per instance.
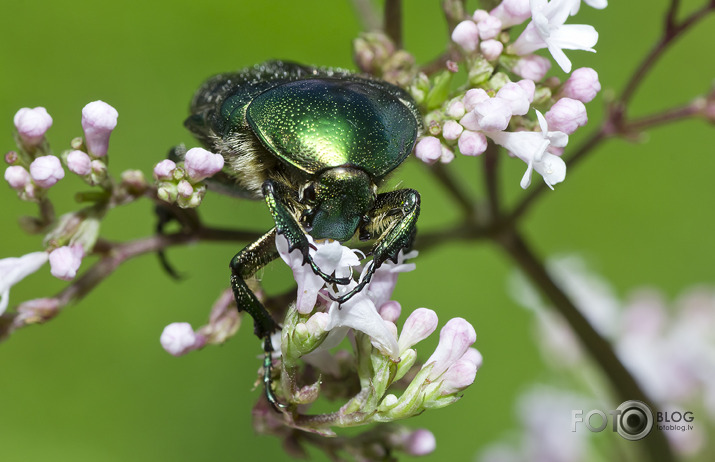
(491, 164)
(616, 122)
(671, 16)
(368, 16)
(393, 22)
(453, 186)
(114, 255)
(671, 31)
(667, 116)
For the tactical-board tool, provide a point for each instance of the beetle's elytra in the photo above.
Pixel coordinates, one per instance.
(316, 144)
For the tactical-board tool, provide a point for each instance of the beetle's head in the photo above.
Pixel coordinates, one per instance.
(337, 203)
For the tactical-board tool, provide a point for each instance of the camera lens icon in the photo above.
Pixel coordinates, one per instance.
(635, 420)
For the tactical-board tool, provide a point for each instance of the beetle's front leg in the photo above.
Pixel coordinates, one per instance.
(287, 225)
(244, 265)
(393, 223)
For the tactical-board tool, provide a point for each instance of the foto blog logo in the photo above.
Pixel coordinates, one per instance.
(633, 420)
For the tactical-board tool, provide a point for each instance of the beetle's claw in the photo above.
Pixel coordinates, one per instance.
(361, 285)
(326, 277)
(268, 380)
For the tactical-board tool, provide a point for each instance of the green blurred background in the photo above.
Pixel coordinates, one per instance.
(94, 384)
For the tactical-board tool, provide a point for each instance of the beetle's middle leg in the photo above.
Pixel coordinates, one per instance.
(393, 223)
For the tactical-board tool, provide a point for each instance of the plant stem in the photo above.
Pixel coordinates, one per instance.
(393, 22)
(624, 386)
(671, 31)
(114, 255)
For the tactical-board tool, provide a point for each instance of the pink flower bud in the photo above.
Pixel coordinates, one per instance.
(466, 35)
(474, 356)
(65, 261)
(512, 12)
(419, 325)
(184, 188)
(200, 164)
(451, 130)
(457, 377)
(179, 338)
(566, 115)
(420, 443)
(46, 171)
(489, 27)
(516, 97)
(480, 15)
(455, 109)
(455, 338)
(317, 323)
(472, 143)
(164, 170)
(529, 87)
(447, 155)
(493, 114)
(32, 124)
(98, 121)
(99, 168)
(79, 162)
(532, 67)
(17, 177)
(390, 311)
(428, 150)
(582, 85)
(474, 97)
(491, 49)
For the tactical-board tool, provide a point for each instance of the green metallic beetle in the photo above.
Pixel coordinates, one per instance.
(315, 144)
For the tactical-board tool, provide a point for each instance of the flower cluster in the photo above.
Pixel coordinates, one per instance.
(33, 169)
(315, 324)
(181, 184)
(505, 82)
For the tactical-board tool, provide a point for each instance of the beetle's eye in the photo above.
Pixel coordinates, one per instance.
(308, 193)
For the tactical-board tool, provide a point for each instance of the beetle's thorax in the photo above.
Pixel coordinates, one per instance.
(337, 202)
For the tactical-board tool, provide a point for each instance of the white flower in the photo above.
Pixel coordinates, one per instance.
(384, 280)
(547, 30)
(360, 313)
(531, 148)
(14, 270)
(329, 256)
